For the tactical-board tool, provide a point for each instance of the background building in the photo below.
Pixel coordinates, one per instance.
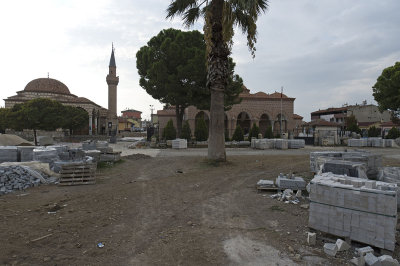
(260, 108)
(130, 120)
(365, 113)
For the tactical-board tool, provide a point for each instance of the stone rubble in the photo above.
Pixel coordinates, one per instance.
(287, 196)
(13, 178)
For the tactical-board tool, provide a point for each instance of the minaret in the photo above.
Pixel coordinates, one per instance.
(112, 81)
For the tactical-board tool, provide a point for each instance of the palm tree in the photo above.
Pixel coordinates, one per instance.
(220, 17)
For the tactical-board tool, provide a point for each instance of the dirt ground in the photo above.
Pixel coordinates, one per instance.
(165, 211)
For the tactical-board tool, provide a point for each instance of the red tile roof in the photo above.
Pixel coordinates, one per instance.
(323, 123)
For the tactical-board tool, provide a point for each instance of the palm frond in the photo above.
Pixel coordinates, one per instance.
(182, 7)
(190, 16)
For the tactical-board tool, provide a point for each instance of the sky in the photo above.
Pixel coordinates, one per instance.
(324, 53)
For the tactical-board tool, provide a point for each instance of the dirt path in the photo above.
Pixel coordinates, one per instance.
(162, 211)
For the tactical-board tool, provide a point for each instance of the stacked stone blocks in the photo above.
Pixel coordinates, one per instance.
(364, 211)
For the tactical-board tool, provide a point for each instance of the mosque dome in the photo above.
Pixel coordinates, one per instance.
(47, 85)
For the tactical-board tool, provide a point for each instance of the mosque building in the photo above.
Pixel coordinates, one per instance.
(101, 120)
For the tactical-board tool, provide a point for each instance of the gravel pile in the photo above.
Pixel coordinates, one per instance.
(14, 178)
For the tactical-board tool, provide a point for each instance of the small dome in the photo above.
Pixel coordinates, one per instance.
(47, 85)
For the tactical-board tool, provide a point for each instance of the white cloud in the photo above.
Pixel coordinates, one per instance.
(325, 53)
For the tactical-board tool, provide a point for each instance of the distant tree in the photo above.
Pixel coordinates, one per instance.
(238, 134)
(268, 133)
(201, 131)
(386, 90)
(172, 69)
(186, 132)
(393, 133)
(169, 132)
(374, 132)
(4, 117)
(352, 124)
(37, 114)
(74, 118)
(254, 131)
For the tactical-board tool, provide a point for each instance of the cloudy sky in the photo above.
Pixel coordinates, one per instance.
(324, 53)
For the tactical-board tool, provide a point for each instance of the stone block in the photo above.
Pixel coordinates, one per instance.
(371, 260)
(25, 153)
(179, 144)
(8, 154)
(387, 260)
(311, 238)
(360, 261)
(363, 251)
(342, 245)
(45, 140)
(330, 249)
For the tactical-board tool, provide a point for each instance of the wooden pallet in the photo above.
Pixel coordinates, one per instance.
(78, 174)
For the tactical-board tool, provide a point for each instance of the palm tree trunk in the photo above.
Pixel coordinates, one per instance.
(217, 77)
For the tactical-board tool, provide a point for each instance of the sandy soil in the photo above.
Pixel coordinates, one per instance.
(165, 210)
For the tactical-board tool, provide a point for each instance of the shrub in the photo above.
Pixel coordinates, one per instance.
(374, 132)
(201, 131)
(268, 133)
(238, 134)
(393, 133)
(254, 131)
(169, 132)
(186, 132)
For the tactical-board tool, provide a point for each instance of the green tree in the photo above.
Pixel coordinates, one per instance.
(352, 124)
(393, 133)
(386, 90)
(201, 130)
(74, 118)
(169, 132)
(374, 132)
(4, 117)
(37, 114)
(186, 132)
(254, 131)
(238, 134)
(268, 133)
(221, 16)
(172, 69)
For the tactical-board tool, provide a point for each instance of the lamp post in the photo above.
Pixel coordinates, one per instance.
(151, 115)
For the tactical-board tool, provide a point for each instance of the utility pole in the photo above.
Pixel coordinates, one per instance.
(281, 110)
